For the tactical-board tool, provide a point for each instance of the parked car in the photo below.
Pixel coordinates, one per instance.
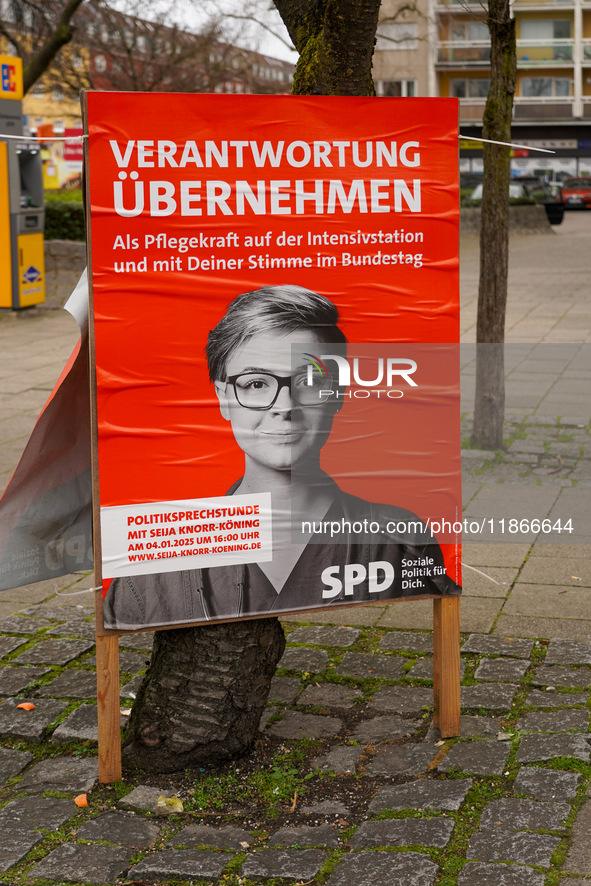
(532, 189)
(576, 193)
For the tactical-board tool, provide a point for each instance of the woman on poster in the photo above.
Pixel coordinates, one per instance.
(281, 410)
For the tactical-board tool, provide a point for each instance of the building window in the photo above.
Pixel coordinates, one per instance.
(58, 94)
(544, 29)
(38, 91)
(397, 88)
(469, 87)
(397, 35)
(545, 87)
(100, 63)
(470, 32)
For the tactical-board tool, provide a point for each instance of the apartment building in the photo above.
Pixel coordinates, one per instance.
(443, 48)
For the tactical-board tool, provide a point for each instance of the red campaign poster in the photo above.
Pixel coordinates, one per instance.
(276, 311)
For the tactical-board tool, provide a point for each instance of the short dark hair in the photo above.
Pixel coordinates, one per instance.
(285, 308)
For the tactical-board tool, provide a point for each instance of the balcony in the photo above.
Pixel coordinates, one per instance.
(463, 53)
(529, 5)
(460, 6)
(544, 109)
(471, 110)
(531, 53)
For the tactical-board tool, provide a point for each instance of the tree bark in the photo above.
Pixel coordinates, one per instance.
(335, 39)
(205, 690)
(489, 405)
(203, 695)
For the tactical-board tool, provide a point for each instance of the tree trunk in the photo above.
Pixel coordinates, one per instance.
(335, 40)
(489, 405)
(205, 690)
(203, 695)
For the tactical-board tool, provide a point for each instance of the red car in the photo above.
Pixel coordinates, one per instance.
(576, 193)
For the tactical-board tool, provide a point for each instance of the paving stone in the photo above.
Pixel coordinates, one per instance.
(217, 838)
(122, 828)
(84, 630)
(130, 690)
(383, 728)
(401, 760)
(80, 725)
(9, 644)
(546, 784)
(550, 699)
(476, 726)
(331, 695)
(144, 798)
(16, 845)
(384, 869)
(30, 725)
(293, 724)
(404, 832)
(535, 748)
(54, 652)
(12, 762)
(563, 677)
(284, 690)
(325, 636)
(477, 874)
(182, 863)
(484, 644)
(293, 864)
(69, 774)
(554, 721)
(53, 613)
(401, 640)
(501, 669)
(323, 835)
(573, 652)
(31, 813)
(520, 848)
(71, 684)
(143, 640)
(496, 697)
(402, 699)
(14, 679)
(311, 660)
(578, 859)
(423, 670)
(382, 667)
(72, 863)
(445, 796)
(16, 624)
(327, 807)
(339, 759)
(510, 814)
(479, 757)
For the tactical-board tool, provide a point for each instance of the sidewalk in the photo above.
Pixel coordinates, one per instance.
(505, 804)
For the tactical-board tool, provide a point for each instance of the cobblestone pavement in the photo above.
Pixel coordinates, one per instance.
(507, 804)
(380, 799)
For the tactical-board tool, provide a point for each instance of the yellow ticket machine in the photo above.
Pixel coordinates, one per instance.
(22, 215)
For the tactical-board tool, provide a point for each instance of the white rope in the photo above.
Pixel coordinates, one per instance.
(45, 138)
(490, 578)
(75, 593)
(491, 141)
